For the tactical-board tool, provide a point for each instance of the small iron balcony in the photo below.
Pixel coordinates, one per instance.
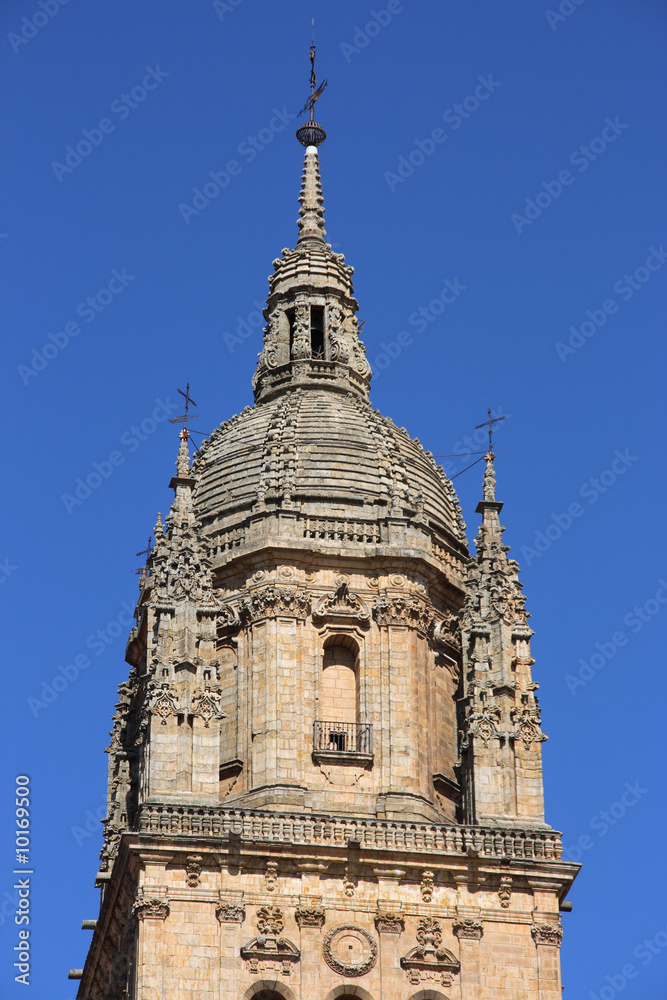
(343, 738)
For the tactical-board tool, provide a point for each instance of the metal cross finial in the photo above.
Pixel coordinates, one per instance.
(183, 419)
(145, 552)
(489, 424)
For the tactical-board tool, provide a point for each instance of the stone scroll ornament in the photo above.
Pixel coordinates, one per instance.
(349, 950)
(342, 603)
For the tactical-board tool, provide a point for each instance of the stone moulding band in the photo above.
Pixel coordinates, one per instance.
(487, 842)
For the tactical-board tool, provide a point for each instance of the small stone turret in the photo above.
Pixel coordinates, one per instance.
(500, 733)
(312, 332)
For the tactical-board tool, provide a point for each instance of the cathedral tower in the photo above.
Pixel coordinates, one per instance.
(325, 766)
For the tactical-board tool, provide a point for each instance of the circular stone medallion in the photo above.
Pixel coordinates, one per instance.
(349, 950)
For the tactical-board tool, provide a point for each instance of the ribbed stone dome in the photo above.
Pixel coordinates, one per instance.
(312, 464)
(323, 454)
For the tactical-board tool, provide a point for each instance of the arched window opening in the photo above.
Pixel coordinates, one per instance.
(317, 331)
(338, 693)
(291, 321)
(338, 730)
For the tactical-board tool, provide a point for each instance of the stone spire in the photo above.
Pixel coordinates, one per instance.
(500, 735)
(172, 650)
(311, 199)
(312, 333)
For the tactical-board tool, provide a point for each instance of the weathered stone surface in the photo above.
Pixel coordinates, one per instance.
(325, 766)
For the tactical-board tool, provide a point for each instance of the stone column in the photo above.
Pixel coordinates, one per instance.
(547, 934)
(230, 911)
(151, 909)
(468, 928)
(310, 917)
(389, 924)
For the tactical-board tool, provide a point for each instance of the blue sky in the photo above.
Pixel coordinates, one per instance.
(540, 200)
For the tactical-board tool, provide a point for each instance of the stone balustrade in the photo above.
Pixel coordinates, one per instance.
(337, 831)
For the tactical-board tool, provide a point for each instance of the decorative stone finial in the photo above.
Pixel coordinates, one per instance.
(311, 199)
(183, 457)
(489, 478)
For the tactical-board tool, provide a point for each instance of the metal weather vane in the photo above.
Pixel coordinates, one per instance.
(312, 134)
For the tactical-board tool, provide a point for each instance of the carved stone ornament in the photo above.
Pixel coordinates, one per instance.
(390, 923)
(426, 886)
(505, 891)
(150, 907)
(429, 960)
(342, 604)
(348, 880)
(290, 602)
(228, 618)
(547, 934)
(271, 875)
(472, 930)
(163, 703)
(193, 870)
(206, 705)
(527, 726)
(230, 913)
(406, 611)
(269, 952)
(483, 725)
(349, 950)
(447, 632)
(270, 920)
(309, 916)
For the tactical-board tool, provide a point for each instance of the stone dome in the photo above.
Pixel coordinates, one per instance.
(312, 459)
(329, 459)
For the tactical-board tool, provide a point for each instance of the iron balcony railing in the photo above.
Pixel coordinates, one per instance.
(343, 737)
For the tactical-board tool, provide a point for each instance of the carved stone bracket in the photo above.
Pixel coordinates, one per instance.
(150, 907)
(505, 891)
(426, 886)
(471, 930)
(193, 869)
(409, 612)
(547, 934)
(390, 923)
(291, 602)
(271, 875)
(309, 916)
(229, 913)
